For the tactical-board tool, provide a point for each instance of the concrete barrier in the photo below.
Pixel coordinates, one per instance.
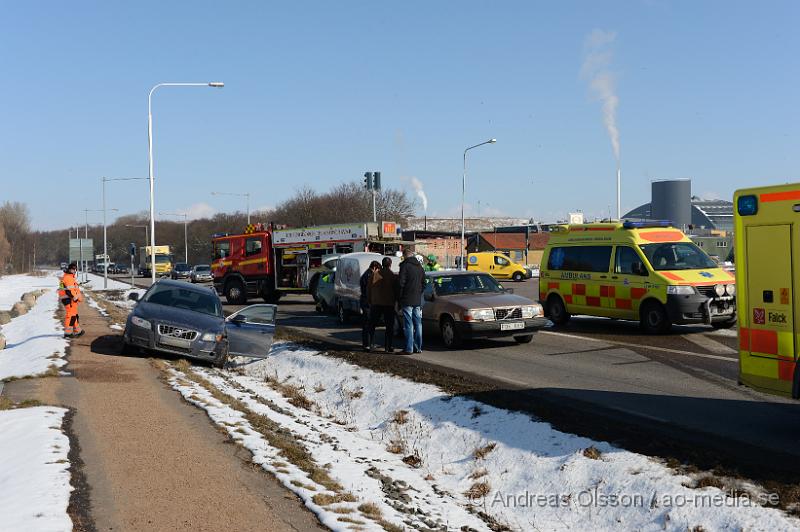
(5, 317)
(29, 298)
(19, 309)
(2, 342)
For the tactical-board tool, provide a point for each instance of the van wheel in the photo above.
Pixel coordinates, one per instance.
(556, 310)
(518, 277)
(341, 314)
(523, 339)
(653, 318)
(450, 335)
(235, 293)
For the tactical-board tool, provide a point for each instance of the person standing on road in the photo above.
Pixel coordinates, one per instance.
(412, 285)
(364, 303)
(70, 295)
(382, 294)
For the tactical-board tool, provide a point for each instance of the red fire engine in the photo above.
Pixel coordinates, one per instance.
(268, 262)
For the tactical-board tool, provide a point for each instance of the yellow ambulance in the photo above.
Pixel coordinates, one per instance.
(645, 271)
(766, 228)
(498, 265)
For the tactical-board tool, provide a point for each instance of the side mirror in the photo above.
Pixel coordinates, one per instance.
(133, 296)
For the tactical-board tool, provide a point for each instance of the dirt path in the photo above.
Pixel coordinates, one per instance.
(152, 461)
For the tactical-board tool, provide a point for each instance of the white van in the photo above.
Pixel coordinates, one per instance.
(348, 281)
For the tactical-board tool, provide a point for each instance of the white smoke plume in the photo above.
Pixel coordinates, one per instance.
(420, 190)
(596, 69)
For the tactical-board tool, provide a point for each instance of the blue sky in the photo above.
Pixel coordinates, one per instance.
(319, 92)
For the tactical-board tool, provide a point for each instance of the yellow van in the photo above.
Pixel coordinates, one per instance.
(497, 264)
(767, 268)
(645, 271)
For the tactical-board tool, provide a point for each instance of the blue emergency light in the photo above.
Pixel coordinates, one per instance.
(646, 223)
(218, 235)
(747, 205)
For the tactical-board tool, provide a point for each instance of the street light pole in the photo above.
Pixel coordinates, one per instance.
(105, 227)
(462, 266)
(105, 250)
(217, 84)
(245, 194)
(185, 230)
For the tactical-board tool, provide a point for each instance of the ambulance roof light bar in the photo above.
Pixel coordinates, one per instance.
(646, 223)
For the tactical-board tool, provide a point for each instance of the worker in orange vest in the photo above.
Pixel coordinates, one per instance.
(70, 295)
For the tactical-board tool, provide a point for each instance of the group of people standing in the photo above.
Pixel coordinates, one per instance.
(383, 292)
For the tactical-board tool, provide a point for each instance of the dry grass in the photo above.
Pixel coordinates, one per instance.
(52, 371)
(390, 527)
(6, 403)
(592, 452)
(370, 509)
(400, 417)
(326, 499)
(478, 490)
(319, 388)
(429, 477)
(482, 452)
(478, 473)
(355, 394)
(351, 520)
(341, 510)
(412, 460)
(396, 447)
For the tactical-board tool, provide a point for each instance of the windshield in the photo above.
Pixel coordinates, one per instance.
(203, 268)
(464, 284)
(677, 256)
(162, 259)
(176, 297)
(182, 266)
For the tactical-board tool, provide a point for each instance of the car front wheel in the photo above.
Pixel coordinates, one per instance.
(518, 277)
(450, 335)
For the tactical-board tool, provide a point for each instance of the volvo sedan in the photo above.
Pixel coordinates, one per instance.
(186, 320)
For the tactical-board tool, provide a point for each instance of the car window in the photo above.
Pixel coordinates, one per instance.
(461, 284)
(677, 256)
(252, 246)
(163, 259)
(203, 268)
(580, 258)
(222, 249)
(501, 261)
(183, 298)
(626, 257)
(259, 314)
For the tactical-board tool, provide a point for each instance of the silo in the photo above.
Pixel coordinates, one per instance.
(672, 200)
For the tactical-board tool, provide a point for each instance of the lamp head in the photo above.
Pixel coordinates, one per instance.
(492, 141)
(217, 84)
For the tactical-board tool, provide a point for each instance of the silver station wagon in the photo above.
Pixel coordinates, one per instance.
(466, 305)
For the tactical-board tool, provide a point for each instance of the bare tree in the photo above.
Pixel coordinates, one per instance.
(15, 220)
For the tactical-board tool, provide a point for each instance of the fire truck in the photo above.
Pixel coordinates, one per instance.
(267, 261)
(767, 270)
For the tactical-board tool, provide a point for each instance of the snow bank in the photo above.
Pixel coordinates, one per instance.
(34, 470)
(13, 286)
(95, 282)
(536, 477)
(34, 340)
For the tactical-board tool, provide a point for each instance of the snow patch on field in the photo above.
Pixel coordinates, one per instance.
(454, 458)
(13, 286)
(95, 282)
(34, 341)
(34, 470)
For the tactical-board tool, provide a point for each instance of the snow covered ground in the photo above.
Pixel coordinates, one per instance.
(419, 457)
(95, 282)
(34, 341)
(34, 470)
(13, 286)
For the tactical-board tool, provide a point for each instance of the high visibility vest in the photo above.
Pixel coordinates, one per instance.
(68, 287)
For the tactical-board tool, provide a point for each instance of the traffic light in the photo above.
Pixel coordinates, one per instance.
(368, 180)
(376, 183)
(133, 248)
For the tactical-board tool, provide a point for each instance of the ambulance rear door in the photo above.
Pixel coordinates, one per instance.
(770, 299)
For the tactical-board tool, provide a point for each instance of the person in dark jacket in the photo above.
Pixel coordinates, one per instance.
(382, 294)
(412, 285)
(364, 303)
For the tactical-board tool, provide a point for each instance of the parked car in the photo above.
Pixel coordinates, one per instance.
(201, 273)
(463, 305)
(347, 281)
(181, 271)
(186, 320)
(328, 264)
(121, 269)
(499, 265)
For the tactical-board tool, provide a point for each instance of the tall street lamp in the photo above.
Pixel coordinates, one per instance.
(218, 84)
(245, 194)
(185, 230)
(105, 227)
(463, 194)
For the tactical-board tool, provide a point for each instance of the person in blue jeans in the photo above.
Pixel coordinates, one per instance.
(412, 285)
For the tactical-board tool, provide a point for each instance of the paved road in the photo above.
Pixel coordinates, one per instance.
(681, 385)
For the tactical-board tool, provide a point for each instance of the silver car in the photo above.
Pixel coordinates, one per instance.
(201, 273)
(185, 320)
(466, 305)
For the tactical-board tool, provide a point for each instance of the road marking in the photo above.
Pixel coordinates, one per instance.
(710, 344)
(640, 346)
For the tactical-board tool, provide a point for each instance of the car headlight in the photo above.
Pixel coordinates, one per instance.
(479, 314)
(730, 289)
(139, 322)
(211, 337)
(680, 290)
(719, 289)
(532, 311)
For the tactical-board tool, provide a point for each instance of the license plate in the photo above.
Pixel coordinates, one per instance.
(175, 342)
(513, 326)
